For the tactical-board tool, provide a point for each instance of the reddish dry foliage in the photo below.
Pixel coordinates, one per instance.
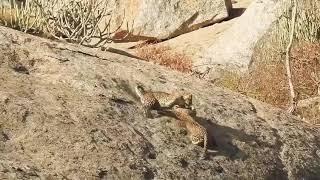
(165, 56)
(305, 62)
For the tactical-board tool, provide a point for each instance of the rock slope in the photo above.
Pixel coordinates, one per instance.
(235, 47)
(68, 112)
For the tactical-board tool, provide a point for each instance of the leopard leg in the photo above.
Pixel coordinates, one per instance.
(193, 111)
(147, 112)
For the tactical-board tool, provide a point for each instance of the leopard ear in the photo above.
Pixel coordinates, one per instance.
(139, 87)
(188, 97)
(139, 90)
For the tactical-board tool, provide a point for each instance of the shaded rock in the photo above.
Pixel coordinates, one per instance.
(75, 116)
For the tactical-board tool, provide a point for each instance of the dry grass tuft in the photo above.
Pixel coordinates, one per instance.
(164, 55)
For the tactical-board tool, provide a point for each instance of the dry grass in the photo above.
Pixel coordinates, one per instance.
(310, 114)
(307, 27)
(85, 22)
(165, 56)
(305, 63)
(229, 79)
(267, 80)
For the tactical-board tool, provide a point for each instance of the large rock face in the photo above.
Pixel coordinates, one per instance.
(162, 19)
(192, 43)
(234, 48)
(67, 112)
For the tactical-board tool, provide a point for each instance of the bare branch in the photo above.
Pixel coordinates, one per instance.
(293, 99)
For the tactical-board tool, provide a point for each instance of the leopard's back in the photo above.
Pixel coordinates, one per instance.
(171, 99)
(149, 100)
(164, 98)
(167, 99)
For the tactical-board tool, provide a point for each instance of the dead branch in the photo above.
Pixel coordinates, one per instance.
(81, 22)
(293, 99)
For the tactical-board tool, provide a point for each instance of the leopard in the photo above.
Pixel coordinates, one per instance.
(157, 100)
(148, 100)
(197, 133)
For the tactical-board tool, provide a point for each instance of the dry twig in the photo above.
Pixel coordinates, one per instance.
(293, 99)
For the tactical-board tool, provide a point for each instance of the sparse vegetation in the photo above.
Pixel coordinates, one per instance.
(165, 56)
(86, 22)
(267, 80)
(307, 22)
(27, 18)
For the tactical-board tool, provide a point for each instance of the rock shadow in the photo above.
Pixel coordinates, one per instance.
(221, 139)
(235, 12)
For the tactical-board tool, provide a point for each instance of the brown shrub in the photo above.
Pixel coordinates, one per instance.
(164, 55)
(305, 62)
(267, 82)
